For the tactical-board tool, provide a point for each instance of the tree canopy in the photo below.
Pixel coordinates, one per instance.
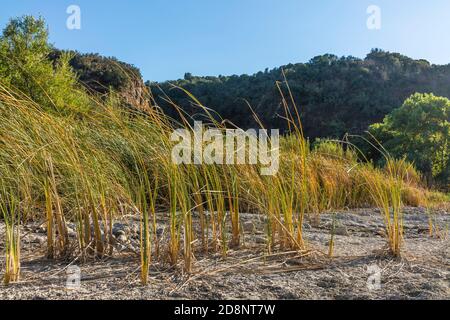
(25, 65)
(420, 131)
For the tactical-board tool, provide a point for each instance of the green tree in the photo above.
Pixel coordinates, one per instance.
(25, 65)
(420, 131)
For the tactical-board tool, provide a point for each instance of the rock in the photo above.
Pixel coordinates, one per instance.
(118, 233)
(306, 226)
(38, 239)
(41, 229)
(248, 226)
(122, 238)
(120, 229)
(260, 240)
(71, 232)
(341, 231)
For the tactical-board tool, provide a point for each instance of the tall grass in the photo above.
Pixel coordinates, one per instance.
(146, 200)
(92, 167)
(11, 216)
(386, 191)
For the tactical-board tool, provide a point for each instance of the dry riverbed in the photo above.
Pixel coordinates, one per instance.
(250, 273)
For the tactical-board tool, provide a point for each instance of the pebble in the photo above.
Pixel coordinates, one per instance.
(248, 226)
(118, 233)
(120, 229)
(341, 231)
(260, 240)
(122, 238)
(39, 239)
(41, 229)
(71, 232)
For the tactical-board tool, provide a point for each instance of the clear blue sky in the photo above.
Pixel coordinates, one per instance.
(165, 39)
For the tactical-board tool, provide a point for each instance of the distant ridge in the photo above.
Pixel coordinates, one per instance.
(335, 95)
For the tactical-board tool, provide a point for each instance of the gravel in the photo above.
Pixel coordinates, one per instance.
(250, 272)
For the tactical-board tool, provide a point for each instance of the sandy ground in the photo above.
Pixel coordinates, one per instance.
(250, 273)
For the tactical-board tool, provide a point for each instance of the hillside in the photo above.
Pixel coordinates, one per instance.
(335, 95)
(103, 74)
